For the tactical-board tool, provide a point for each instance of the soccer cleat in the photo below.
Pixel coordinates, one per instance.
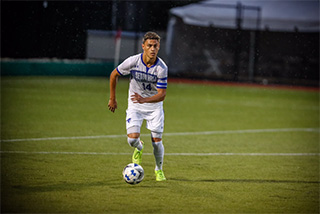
(159, 175)
(137, 155)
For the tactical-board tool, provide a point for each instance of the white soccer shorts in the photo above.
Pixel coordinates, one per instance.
(154, 119)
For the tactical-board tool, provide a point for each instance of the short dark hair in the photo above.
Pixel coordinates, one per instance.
(150, 35)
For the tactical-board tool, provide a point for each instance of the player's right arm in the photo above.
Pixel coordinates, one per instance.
(113, 84)
(122, 70)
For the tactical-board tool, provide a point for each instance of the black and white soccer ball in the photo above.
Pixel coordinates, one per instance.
(133, 173)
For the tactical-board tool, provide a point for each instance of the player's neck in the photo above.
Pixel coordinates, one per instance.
(148, 61)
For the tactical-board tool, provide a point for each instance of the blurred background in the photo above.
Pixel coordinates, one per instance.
(256, 41)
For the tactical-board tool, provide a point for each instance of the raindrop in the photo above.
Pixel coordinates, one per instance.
(45, 4)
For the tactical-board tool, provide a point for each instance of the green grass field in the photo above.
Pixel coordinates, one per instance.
(228, 149)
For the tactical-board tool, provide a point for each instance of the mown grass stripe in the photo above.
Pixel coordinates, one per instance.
(172, 134)
(167, 154)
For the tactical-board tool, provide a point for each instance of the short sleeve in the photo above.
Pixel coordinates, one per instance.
(125, 67)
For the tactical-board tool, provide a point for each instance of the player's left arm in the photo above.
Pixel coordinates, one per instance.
(160, 96)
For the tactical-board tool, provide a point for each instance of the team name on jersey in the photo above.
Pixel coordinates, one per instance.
(143, 77)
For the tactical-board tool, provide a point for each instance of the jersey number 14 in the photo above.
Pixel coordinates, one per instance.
(146, 86)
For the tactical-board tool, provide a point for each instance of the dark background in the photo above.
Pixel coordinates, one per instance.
(58, 29)
(281, 57)
(31, 30)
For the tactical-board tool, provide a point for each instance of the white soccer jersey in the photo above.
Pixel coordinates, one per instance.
(143, 80)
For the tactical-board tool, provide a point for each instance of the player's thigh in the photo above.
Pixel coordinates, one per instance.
(133, 119)
(155, 121)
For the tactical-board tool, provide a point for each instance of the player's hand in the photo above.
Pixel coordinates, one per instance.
(112, 105)
(136, 98)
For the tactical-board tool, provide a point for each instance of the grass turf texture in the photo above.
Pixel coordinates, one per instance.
(76, 175)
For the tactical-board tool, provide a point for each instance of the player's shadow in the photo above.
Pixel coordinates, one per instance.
(64, 186)
(244, 181)
(70, 186)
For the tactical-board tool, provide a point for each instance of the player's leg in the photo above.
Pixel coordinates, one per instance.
(158, 151)
(133, 137)
(134, 141)
(155, 123)
(133, 124)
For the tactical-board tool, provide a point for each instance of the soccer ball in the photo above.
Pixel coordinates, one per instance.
(133, 173)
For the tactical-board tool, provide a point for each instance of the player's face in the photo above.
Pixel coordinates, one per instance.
(151, 48)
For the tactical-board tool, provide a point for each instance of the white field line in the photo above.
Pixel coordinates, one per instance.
(172, 134)
(167, 154)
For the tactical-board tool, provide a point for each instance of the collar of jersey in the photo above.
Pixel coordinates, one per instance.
(155, 63)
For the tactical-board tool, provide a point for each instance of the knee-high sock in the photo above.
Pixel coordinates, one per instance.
(135, 142)
(158, 151)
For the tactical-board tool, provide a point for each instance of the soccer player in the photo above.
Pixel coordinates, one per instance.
(147, 90)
